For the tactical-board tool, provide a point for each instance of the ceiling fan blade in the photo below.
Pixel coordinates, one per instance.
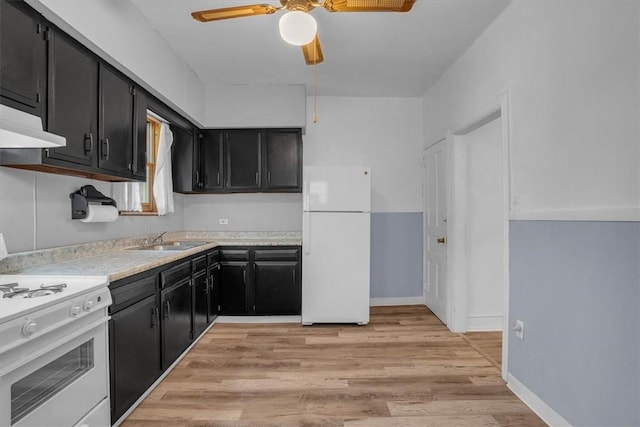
(313, 52)
(234, 12)
(368, 5)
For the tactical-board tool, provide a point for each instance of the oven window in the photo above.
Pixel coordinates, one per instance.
(36, 388)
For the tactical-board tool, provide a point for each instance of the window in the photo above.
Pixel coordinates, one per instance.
(146, 188)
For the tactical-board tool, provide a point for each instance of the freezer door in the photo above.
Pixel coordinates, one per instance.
(335, 268)
(337, 189)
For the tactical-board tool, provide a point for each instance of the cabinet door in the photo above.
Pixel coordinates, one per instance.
(135, 353)
(243, 159)
(22, 58)
(214, 291)
(183, 161)
(210, 172)
(233, 287)
(277, 287)
(200, 302)
(176, 321)
(116, 122)
(283, 160)
(139, 156)
(73, 99)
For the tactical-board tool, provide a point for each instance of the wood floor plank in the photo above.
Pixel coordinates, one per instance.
(403, 369)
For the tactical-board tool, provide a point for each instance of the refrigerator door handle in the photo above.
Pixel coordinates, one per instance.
(306, 237)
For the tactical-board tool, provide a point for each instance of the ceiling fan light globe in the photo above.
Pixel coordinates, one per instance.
(298, 28)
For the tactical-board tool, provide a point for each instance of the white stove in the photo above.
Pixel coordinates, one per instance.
(54, 350)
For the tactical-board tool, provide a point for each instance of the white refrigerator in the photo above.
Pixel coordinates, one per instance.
(336, 244)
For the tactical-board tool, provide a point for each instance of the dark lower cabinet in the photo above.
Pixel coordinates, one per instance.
(277, 287)
(176, 321)
(135, 362)
(134, 342)
(233, 287)
(200, 302)
(260, 280)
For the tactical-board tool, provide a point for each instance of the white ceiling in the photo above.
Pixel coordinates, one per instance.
(366, 54)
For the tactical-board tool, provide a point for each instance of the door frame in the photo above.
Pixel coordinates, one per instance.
(457, 189)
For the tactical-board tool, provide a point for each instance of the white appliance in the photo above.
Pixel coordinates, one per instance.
(336, 244)
(54, 365)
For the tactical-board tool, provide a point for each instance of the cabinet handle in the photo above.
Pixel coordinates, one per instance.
(198, 179)
(293, 273)
(167, 311)
(88, 138)
(105, 146)
(218, 179)
(269, 178)
(257, 177)
(244, 276)
(154, 317)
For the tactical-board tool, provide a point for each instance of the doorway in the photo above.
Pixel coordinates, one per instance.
(475, 228)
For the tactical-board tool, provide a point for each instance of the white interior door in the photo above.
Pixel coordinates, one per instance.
(435, 221)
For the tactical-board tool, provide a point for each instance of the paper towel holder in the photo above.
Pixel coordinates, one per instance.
(87, 194)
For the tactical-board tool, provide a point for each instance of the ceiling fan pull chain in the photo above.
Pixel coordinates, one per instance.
(315, 84)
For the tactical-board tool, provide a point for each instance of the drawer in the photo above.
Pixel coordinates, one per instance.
(234, 255)
(213, 257)
(175, 274)
(133, 292)
(284, 254)
(199, 263)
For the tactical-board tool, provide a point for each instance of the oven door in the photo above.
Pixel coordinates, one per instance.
(57, 387)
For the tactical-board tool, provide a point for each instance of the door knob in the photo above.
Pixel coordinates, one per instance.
(441, 240)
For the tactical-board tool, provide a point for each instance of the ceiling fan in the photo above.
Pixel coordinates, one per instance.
(297, 26)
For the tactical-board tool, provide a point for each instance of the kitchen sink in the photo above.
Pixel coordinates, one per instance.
(169, 246)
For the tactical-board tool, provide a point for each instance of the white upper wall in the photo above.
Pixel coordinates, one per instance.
(255, 106)
(383, 133)
(119, 33)
(571, 69)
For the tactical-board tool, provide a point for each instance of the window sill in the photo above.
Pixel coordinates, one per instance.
(134, 213)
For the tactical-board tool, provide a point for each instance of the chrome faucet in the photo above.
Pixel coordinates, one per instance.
(158, 238)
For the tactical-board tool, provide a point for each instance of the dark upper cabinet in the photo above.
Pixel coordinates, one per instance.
(139, 154)
(22, 58)
(116, 122)
(235, 161)
(72, 99)
(209, 175)
(184, 163)
(243, 155)
(283, 160)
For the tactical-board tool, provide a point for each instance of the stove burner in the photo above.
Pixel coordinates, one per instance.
(10, 290)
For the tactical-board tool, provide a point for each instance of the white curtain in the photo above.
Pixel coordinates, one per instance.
(163, 180)
(127, 196)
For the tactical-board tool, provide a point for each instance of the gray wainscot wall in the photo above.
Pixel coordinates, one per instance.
(396, 254)
(576, 285)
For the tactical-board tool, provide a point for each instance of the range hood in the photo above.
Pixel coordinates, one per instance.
(23, 130)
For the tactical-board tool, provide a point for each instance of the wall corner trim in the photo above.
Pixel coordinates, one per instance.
(536, 404)
(376, 302)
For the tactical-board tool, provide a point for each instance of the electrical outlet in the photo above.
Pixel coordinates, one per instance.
(519, 329)
(223, 221)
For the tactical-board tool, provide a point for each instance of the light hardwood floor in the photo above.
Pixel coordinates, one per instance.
(403, 369)
(489, 344)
